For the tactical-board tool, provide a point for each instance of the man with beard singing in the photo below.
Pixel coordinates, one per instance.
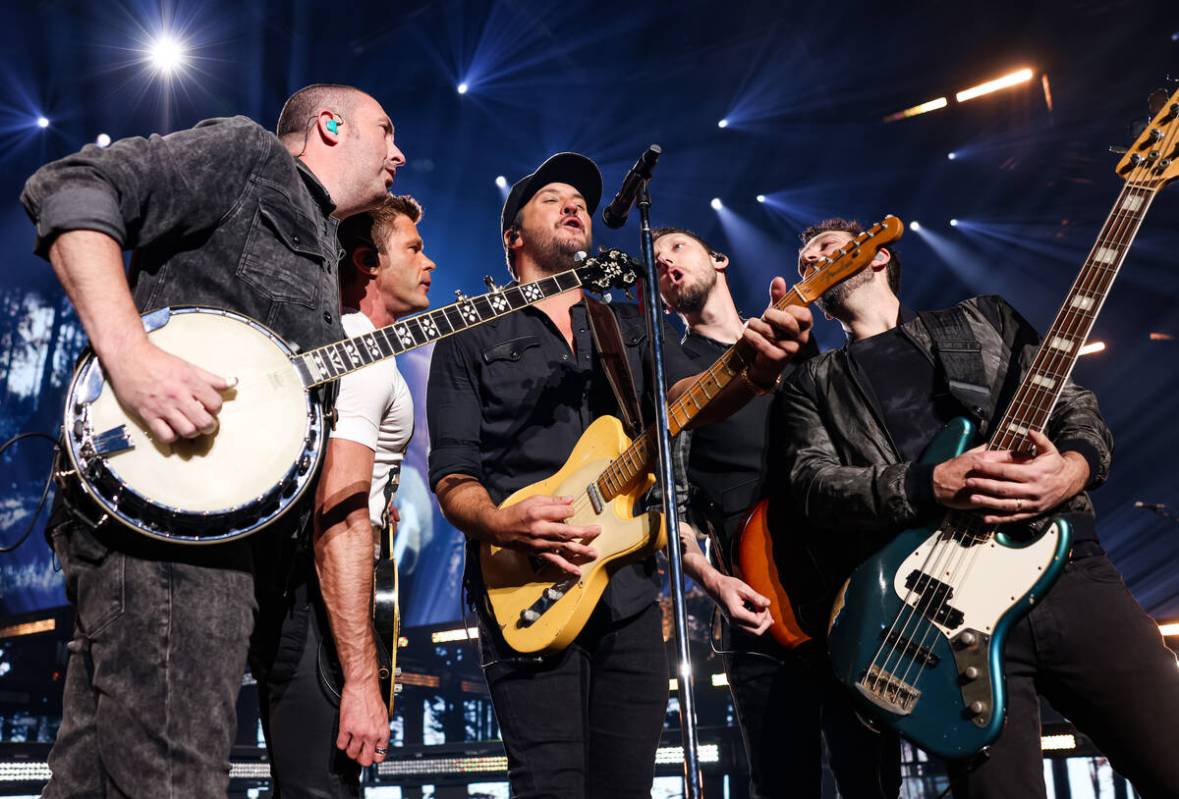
(507, 401)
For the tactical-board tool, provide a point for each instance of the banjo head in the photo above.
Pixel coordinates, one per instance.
(225, 485)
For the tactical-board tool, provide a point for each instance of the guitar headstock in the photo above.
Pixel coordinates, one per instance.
(609, 269)
(850, 258)
(1153, 160)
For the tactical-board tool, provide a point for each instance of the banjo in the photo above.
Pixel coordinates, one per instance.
(271, 430)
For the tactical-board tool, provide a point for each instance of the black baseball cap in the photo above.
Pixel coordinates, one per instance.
(573, 168)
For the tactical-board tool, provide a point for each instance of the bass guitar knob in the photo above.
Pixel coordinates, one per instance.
(977, 708)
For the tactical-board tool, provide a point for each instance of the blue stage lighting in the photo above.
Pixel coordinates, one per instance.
(761, 198)
(103, 140)
(951, 155)
(42, 122)
(724, 123)
(502, 182)
(915, 225)
(953, 223)
(462, 87)
(166, 54)
(716, 204)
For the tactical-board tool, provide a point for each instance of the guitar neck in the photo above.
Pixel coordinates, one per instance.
(636, 460)
(1040, 390)
(330, 362)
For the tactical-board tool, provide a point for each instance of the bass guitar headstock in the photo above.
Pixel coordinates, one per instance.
(1153, 160)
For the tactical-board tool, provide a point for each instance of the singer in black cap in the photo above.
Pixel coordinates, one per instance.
(506, 403)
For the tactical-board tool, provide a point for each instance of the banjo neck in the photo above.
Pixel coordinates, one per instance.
(333, 361)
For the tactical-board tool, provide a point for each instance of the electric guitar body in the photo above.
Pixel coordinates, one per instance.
(758, 566)
(540, 608)
(924, 649)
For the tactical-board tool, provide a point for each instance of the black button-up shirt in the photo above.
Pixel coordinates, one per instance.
(507, 401)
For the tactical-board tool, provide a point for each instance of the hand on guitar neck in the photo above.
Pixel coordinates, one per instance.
(1008, 486)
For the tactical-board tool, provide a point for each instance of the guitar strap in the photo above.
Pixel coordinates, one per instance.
(960, 355)
(608, 342)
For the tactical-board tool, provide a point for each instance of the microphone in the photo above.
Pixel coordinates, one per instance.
(1150, 505)
(614, 214)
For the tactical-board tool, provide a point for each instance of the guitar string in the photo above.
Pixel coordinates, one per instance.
(1121, 227)
(948, 547)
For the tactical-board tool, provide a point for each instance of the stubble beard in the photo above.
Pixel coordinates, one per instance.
(692, 298)
(834, 300)
(554, 254)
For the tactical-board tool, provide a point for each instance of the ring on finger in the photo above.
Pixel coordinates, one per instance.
(380, 750)
(1019, 506)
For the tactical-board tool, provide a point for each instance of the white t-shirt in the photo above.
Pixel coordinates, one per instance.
(375, 409)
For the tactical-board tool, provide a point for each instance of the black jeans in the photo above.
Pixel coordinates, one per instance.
(300, 718)
(784, 701)
(156, 664)
(585, 722)
(1091, 651)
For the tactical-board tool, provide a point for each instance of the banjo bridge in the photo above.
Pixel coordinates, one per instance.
(112, 442)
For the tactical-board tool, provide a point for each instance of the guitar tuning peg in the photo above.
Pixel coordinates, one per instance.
(580, 256)
(489, 281)
(458, 295)
(1119, 150)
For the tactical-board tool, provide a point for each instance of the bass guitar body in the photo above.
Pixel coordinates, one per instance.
(759, 569)
(539, 608)
(920, 644)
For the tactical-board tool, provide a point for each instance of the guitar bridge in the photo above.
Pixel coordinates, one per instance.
(889, 692)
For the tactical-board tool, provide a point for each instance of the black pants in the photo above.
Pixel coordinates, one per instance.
(586, 722)
(156, 663)
(784, 701)
(1091, 651)
(300, 718)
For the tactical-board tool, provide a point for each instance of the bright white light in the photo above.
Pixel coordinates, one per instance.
(42, 122)
(951, 155)
(724, 123)
(462, 87)
(761, 198)
(502, 182)
(1092, 348)
(103, 140)
(166, 54)
(1017, 77)
(953, 223)
(716, 204)
(914, 225)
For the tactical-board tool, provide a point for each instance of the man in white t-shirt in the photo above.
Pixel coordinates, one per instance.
(318, 749)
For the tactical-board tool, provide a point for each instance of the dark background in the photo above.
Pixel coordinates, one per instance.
(804, 86)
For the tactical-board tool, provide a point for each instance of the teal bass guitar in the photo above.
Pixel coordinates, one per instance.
(918, 631)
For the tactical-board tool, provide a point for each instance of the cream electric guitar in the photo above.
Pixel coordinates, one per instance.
(271, 429)
(541, 608)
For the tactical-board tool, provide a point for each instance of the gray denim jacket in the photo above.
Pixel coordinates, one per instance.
(217, 215)
(846, 475)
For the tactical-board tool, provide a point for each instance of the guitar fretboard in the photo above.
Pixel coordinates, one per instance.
(333, 361)
(636, 460)
(1038, 393)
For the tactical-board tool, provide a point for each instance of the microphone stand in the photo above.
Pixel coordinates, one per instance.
(693, 787)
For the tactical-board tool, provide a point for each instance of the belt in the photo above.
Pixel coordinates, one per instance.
(1086, 548)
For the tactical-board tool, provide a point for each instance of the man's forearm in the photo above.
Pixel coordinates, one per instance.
(466, 504)
(344, 563)
(89, 266)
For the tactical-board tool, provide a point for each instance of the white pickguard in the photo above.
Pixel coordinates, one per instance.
(987, 578)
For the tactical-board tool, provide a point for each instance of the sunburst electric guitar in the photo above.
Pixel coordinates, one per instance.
(918, 630)
(539, 608)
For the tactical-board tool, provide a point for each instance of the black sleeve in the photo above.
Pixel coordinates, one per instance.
(139, 191)
(453, 413)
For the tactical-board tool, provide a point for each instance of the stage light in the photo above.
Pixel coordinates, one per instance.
(716, 204)
(166, 54)
(1169, 629)
(450, 636)
(761, 198)
(42, 122)
(951, 155)
(1064, 742)
(462, 87)
(724, 123)
(1161, 337)
(914, 225)
(502, 182)
(1013, 79)
(953, 223)
(923, 108)
(1092, 348)
(103, 140)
